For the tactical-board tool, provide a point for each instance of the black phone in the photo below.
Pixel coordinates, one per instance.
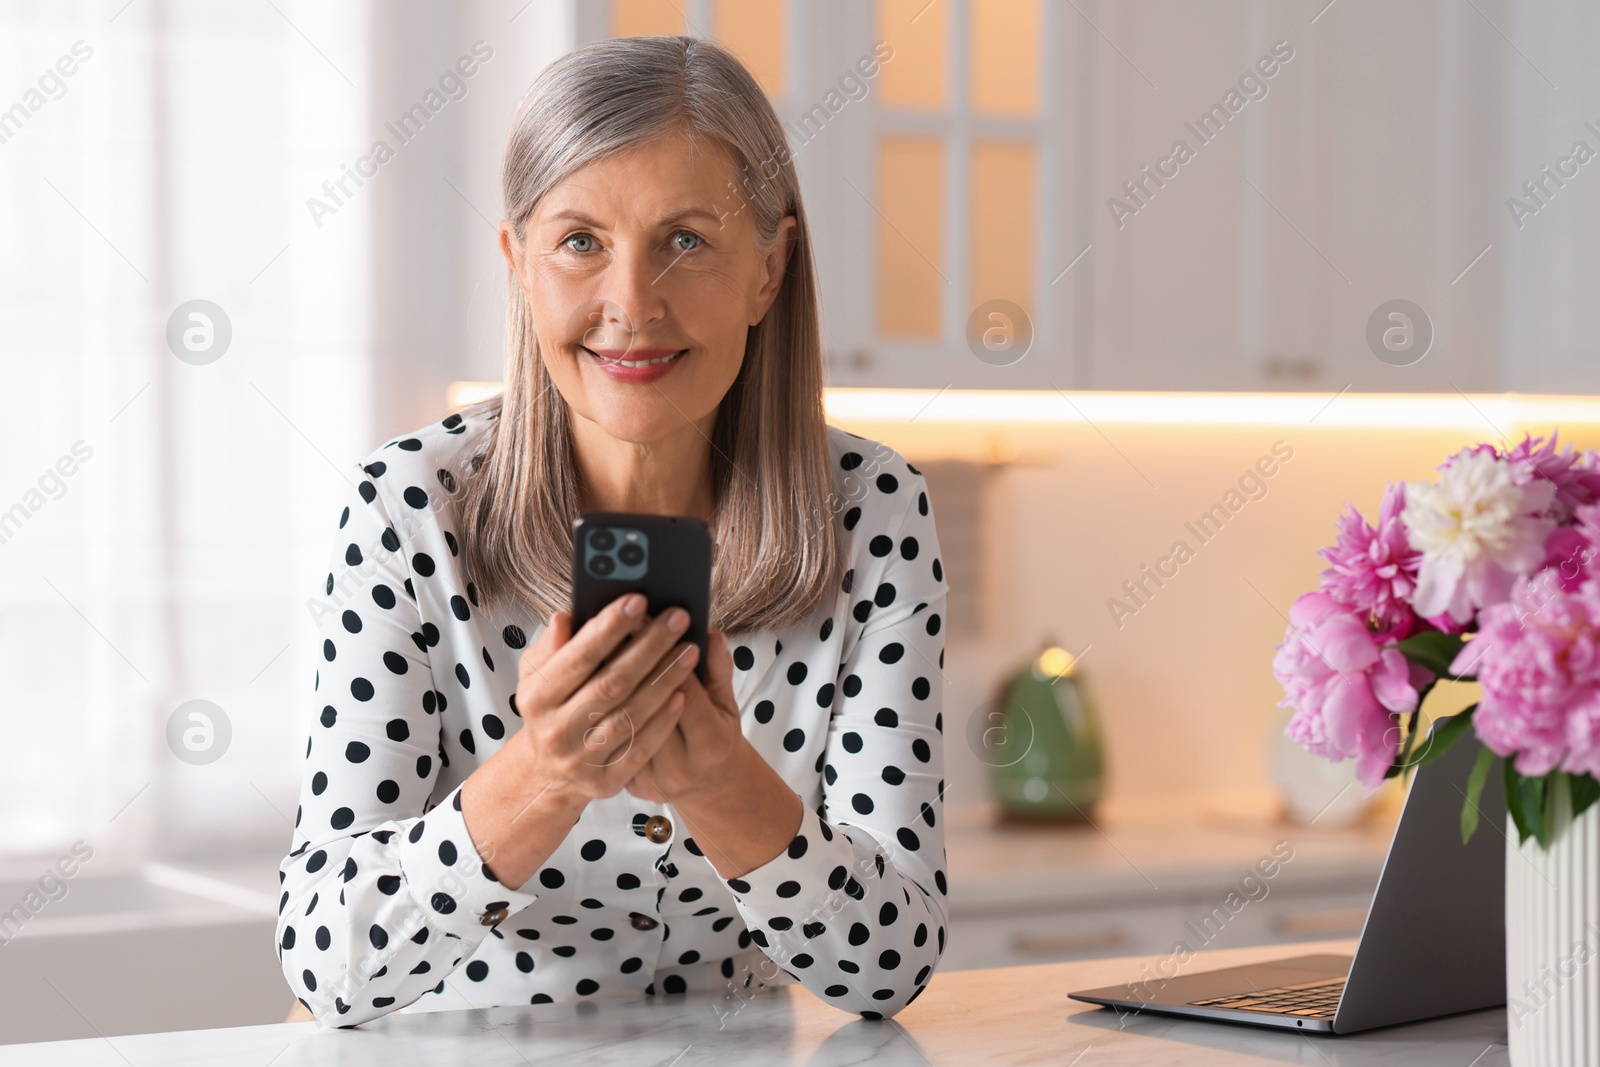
(665, 557)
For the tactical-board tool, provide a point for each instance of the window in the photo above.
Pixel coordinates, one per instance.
(163, 522)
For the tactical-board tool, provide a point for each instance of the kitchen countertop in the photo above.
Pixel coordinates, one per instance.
(1130, 858)
(1005, 1015)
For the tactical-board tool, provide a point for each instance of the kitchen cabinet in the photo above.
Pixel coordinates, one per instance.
(1023, 895)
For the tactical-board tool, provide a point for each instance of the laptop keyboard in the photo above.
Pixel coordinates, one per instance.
(1311, 1000)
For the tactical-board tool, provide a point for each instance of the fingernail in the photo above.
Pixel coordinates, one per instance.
(688, 656)
(633, 605)
(677, 620)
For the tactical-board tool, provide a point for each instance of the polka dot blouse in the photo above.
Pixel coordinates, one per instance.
(386, 904)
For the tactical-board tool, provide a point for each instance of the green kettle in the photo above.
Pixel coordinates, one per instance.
(1042, 742)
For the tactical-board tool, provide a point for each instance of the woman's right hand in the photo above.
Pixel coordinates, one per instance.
(588, 727)
(595, 707)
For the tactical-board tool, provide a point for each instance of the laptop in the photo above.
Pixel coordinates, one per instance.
(1433, 942)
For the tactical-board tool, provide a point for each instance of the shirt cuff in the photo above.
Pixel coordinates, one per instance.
(447, 879)
(806, 882)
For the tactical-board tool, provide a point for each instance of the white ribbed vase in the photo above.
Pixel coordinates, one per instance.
(1553, 942)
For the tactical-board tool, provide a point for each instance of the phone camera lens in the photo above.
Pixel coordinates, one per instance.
(630, 555)
(602, 565)
(602, 540)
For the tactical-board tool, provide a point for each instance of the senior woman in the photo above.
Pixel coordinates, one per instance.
(497, 810)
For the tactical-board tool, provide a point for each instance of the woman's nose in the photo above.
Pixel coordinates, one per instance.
(633, 290)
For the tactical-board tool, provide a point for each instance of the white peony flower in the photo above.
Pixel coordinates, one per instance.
(1478, 532)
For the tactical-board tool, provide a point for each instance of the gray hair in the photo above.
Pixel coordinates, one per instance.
(777, 553)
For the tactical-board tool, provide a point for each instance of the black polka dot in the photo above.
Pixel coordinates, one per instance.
(743, 658)
(593, 849)
(794, 740)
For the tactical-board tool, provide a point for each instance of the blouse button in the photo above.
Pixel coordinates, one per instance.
(494, 915)
(643, 922)
(658, 828)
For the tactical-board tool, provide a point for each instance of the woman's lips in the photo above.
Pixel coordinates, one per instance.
(636, 366)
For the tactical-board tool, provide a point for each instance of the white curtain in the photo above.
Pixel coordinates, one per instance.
(163, 522)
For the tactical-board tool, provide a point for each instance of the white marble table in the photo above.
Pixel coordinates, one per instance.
(1009, 1016)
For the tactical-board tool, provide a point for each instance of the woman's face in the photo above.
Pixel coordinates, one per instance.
(644, 276)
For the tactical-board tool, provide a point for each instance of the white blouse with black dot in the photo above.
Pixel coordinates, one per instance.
(386, 905)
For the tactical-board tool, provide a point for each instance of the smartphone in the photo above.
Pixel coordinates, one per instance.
(665, 557)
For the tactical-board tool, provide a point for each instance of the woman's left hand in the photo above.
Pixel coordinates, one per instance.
(700, 755)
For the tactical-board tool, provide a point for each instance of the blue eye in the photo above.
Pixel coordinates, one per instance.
(693, 237)
(570, 242)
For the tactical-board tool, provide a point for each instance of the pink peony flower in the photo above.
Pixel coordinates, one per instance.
(1344, 685)
(1537, 657)
(1479, 531)
(1374, 571)
(1574, 476)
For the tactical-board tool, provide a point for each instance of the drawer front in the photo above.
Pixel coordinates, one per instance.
(1056, 936)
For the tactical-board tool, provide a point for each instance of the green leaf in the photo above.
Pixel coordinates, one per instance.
(1402, 762)
(1434, 650)
(1514, 802)
(1525, 801)
(1585, 791)
(1475, 783)
(1443, 735)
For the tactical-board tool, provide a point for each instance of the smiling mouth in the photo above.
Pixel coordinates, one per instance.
(635, 362)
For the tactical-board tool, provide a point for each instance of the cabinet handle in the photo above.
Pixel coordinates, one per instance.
(1331, 921)
(1080, 941)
